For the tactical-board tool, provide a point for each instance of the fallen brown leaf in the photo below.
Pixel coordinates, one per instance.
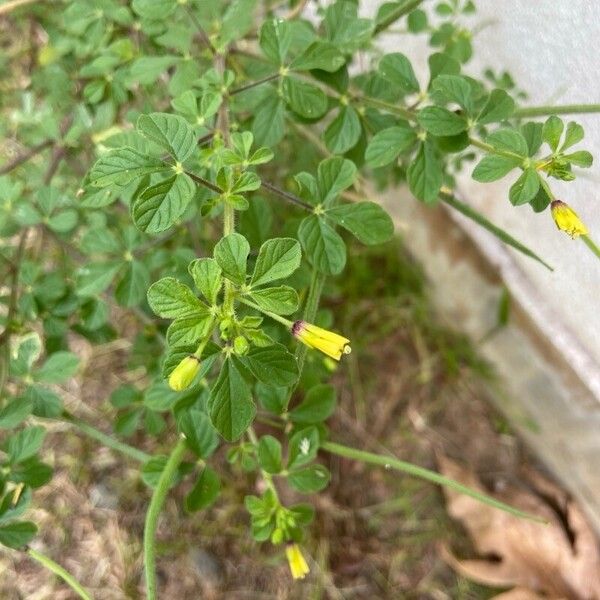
(560, 559)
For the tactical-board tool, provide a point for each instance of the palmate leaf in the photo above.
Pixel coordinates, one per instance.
(472, 214)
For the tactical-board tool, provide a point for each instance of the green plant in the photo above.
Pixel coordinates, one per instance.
(164, 144)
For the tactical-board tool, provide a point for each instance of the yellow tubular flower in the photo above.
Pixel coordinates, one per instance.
(296, 560)
(566, 219)
(183, 374)
(329, 343)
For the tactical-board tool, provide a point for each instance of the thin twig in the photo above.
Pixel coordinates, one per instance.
(286, 195)
(253, 84)
(19, 160)
(202, 33)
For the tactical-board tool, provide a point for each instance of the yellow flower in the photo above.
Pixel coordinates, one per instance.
(566, 219)
(296, 560)
(329, 343)
(183, 374)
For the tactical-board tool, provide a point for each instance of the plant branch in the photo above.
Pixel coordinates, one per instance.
(589, 242)
(561, 109)
(286, 196)
(389, 462)
(12, 4)
(105, 439)
(296, 11)
(200, 29)
(59, 571)
(401, 10)
(156, 503)
(253, 84)
(19, 160)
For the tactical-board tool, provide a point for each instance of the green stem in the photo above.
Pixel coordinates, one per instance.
(382, 104)
(591, 245)
(59, 571)
(106, 439)
(565, 109)
(403, 9)
(156, 503)
(310, 312)
(389, 462)
(492, 150)
(253, 84)
(266, 476)
(273, 316)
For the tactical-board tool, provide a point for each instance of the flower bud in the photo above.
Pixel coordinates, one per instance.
(328, 342)
(566, 219)
(296, 560)
(184, 373)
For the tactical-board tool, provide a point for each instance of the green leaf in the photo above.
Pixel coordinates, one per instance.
(131, 289)
(365, 220)
(493, 167)
(532, 132)
(93, 279)
(24, 444)
(272, 365)
(440, 121)
(200, 435)
(281, 300)
(508, 140)
(18, 534)
(159, 206)
(59, 367)
(319, 55)
(552, 131)
(317, 406)
(387, 144)
(343, 132)
(205, 491)
(16, 411)
(454, 88)
(502, 235)
(573, 135)
(147, 69)
(170, 299)
(303, 447)
(189, 330)
(581, 158)
(9, 509)
(269, 454)
(277, 258)
(269, 121)
(206, 274)
(310, 480)
(499, 107)
(334, 175)
(123, 165)
(230, 403)
(322, 245)
(525, 188)
(171, 132)
(31, 472)
(273, 399)
(396, 69)
(157, 10)
(442, 64)
(425, 174)
(275, 39)
(304, 99)
(231, 253)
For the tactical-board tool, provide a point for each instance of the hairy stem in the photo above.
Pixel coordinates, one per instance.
(61, 572)
(389, 462)
(253, 84)
(156, 503)
(19, 160)
(402, 9)
(106, 439)
(561, 109)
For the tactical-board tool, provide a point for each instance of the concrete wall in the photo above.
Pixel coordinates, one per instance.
(549, 355)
